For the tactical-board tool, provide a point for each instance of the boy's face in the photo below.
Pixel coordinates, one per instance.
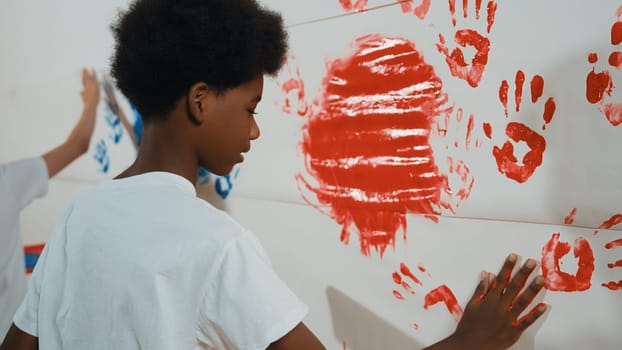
(230, 127)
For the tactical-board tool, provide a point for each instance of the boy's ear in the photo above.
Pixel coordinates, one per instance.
(198, 97)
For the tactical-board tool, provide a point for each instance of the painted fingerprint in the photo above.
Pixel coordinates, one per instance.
(368, 145)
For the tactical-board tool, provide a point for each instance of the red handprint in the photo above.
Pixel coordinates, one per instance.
(612, 284)
(599, 85)
(507, 162)
(558, 280)
(470, 72)
(442, 294)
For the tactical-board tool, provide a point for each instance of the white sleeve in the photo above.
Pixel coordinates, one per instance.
(246, 305)
(26, 179)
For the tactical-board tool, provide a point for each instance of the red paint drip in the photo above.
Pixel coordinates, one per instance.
(518, 94)
(613, 285)
(537, 87)
(470, 72)
(398, 295)
(592, 57)
(376, 116)
(503, 95)
(570, 218)
(488, 130)
(478, 7)
(614, 244)
(614, 220)
(452, 11)
(469, 133)
(615, 59)
(616, 264)
(507, 162)
(492, 9)
(444, 295)
(549, 111)
(597, 85)
(616, 33)
(405, 270)
(557, 280)
(358, 6)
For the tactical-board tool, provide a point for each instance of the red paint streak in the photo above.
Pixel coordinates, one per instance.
(406, 272)
(415, 326)
(503, 95)
(452, 11)
(492, 9)
(444, 295)
(460, 169)
(422, 268)
(420, 11)
(616, 264)
(518, 94)
(615, 59)
(558, 280)
(398, 295)
(470, 72)
(398, 280)
(507, 162)
(465, 4)
(373, 124)
(478, 7)
(614, 220)
(614, 244)
(536, 309)
(570, 218)
(616, 33)
(592, 57)
(549, 111)
(537, 86)
(469, 133)
(358, 6)
(488, 130)
(613, 285)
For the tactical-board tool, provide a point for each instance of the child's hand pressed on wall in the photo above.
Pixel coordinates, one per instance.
(90, 88)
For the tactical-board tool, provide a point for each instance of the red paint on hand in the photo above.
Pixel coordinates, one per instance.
(368, 146)
(557, 280)
(444, 295)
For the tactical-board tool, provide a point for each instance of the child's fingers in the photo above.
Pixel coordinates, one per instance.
(500, 283)
(523, 323)
(518, 281)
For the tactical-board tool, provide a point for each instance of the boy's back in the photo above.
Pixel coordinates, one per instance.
(141, 262)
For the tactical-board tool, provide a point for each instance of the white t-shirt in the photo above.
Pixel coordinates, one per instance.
(20, 182)
(142, 263)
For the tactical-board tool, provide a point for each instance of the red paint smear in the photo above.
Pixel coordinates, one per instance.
(406, 271)
(616, 264)
(507, 162)
(592, 57)
(415, 326)
(420, 11)
(422, 268)
(398, 280)
(614, 220)
(470, 72)
(549, 111)
(488, 130)
(358, 6)
(613, 285)
(570, 218)
(465, 4)
(616, 33)
(614, 244)
(537, 86)
(492, 9)
(452, 11)
(34, 248)
(518, 94)
(470, 124)
(558, 280)
(503, 95)
(398, 295)
(460, 169)
(613, 112)
(376, 116)
(478, 7)
(615, 59)
(597, 85)
(444, 295)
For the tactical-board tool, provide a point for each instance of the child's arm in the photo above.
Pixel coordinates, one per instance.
(16, 339)
(78, 141)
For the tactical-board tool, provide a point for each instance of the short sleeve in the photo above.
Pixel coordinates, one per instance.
(247, 306)
(26, 179)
